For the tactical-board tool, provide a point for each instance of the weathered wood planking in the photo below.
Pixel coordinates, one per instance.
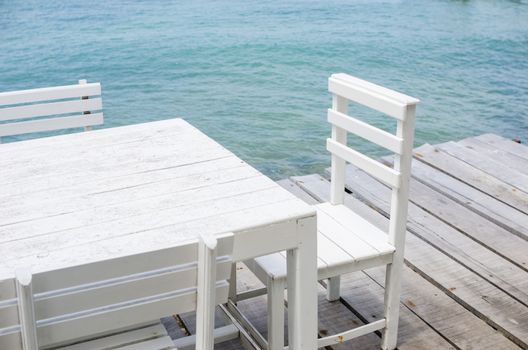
(496, 154)
(480, 202)
(497, 270)
(493, 237)
(504, 173)
(498, 142)
(472, 176)
(412, 330)
(486, 300)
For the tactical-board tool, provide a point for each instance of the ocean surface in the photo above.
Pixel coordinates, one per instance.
(253, 74)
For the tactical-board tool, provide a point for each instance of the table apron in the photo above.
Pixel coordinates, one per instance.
(268, 239)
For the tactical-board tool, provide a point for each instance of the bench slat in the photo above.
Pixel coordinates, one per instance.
(49, 93)
(53, 108)
(51, 124)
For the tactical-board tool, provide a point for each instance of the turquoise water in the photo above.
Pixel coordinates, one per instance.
(253, 75)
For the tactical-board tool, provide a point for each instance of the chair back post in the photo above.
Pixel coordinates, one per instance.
(400, 195)
(26, 309)
(337, 187)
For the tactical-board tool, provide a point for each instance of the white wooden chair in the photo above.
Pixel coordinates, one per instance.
(347, 242)
(117, 304)
(52, 108)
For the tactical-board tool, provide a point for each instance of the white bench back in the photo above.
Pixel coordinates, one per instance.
(83, 301)
(345, 88)
(52, 108)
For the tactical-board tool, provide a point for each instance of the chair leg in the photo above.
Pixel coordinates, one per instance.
(333, 287)
(392, 305)
(276, 313)
(233, 284)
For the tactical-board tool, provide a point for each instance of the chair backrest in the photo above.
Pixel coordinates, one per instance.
(62, 306)
(346, 88)
(52, 108)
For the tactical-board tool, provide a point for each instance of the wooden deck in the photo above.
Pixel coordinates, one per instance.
(466, 276)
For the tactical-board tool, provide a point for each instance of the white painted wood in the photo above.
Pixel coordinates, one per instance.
(113, 193)
(333, 286)
(50, 124)
(26, 309)
(452, 320)
(44, 109)
(366, 131)
(371, 95)
(276, 290)
(302, 288)
(153, 344)
(87, 127)
(49, 93)
(78, 103)
(351, 334)
(205, 310)
(90, 307)
(128, 337)
(339, 135)
(221, 334)
(397, 229)
(382, 172)
(348, 242)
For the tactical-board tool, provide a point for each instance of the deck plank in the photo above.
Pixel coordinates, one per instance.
(472, 176)
(496, 169)
(481, 203)
(505, 158)
(424, 202)
(499, 142)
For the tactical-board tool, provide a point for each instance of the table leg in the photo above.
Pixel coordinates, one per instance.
(302, 288)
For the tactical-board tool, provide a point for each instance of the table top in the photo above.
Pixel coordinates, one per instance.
(79, 198)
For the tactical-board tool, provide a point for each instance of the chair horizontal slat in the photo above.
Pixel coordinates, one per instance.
(371, 95)
(99, 271)
(351, 334)
(43, 109)
(135, 287)
(135, 312)
(49, 93)
(366, 131)
(50, 124)
(383, 173)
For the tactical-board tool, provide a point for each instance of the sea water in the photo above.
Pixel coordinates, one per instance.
(253, 74)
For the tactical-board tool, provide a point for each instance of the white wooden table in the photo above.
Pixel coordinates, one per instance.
(79, 198)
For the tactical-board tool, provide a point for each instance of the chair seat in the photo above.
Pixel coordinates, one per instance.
(345, 243)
